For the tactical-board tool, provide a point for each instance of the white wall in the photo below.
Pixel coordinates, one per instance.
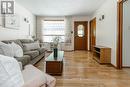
(23, 30)
(126, 34)
(74, 18)
(106, 30)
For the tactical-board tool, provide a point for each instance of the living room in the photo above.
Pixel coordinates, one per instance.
(64, 44)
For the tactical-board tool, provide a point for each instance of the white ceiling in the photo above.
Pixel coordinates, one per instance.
(61, 7)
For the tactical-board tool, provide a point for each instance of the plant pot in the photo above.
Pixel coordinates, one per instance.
(55, 52)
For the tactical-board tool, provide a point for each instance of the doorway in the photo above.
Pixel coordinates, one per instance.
(92, 33)
(80, 35)
(123, 49)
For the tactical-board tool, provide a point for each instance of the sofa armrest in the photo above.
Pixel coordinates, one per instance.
(33, 77)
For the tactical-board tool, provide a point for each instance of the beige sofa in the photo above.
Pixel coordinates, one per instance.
(29, 57)
(12, 75)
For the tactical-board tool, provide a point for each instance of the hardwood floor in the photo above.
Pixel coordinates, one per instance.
(80, 70)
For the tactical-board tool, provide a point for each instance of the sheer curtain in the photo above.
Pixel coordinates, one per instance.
(52, 29)
(68, 29)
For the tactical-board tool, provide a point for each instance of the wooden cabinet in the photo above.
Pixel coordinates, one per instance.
(102, 54)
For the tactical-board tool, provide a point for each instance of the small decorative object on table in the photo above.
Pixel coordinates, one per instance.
(55, 46)
(55, 52)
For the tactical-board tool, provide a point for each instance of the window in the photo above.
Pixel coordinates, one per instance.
(81, 31)
(52, 29)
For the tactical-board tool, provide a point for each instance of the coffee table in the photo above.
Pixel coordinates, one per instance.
(54, 66)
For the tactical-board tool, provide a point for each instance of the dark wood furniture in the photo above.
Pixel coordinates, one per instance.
(54, 66)
(102, 54)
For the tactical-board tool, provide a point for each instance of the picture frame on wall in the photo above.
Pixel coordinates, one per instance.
(12, 21)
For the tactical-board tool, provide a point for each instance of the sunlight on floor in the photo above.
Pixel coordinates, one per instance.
(80, 70)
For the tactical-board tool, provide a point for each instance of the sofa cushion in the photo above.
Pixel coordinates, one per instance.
(6, 49)
(42, 50)
(17, 50)
(31, 46)
(10, 73)
(18, 42)
(7, 41)
(15, 41)
(32, 54)
(24, 60)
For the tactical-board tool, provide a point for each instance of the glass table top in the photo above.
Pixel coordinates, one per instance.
(59, 57)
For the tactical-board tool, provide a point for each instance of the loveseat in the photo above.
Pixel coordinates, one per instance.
(31, 56)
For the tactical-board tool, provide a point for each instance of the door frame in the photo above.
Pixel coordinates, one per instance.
(120, 35)
(86, 35)
(90, 33)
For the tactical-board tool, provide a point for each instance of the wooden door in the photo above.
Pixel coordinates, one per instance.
(81, 35)
(92, 33)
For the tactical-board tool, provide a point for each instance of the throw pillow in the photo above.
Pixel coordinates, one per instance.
(18, 51)
(31, 46)
(10, 73)
(6, 49)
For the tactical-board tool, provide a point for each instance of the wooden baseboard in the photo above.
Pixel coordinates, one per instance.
(126, 67)
(114, 66)
(122, 67)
